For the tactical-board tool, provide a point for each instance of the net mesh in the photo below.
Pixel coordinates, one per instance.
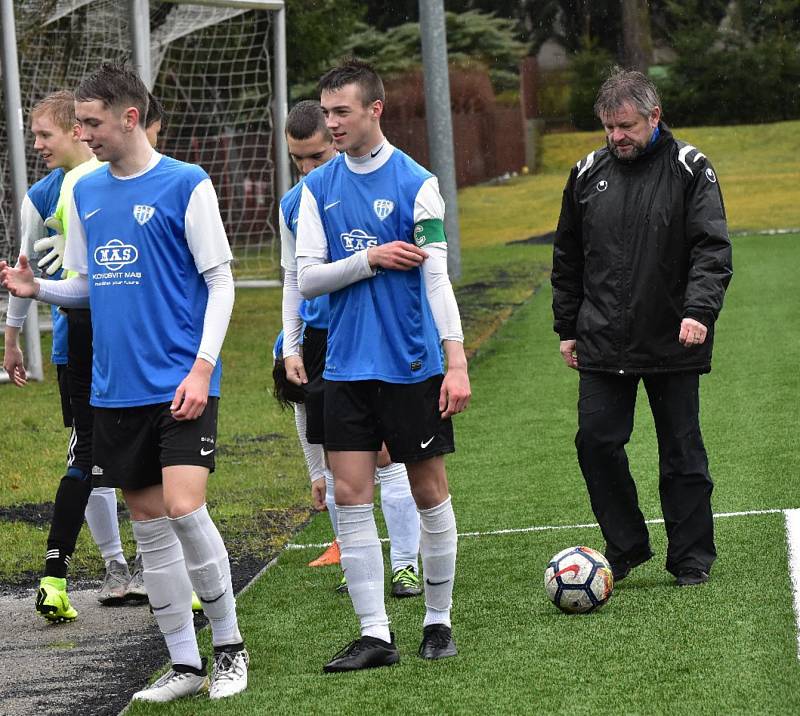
(213, 75)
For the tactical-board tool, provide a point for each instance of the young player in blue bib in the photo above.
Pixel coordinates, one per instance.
(311, 146)
(147, 242)
(371, 234)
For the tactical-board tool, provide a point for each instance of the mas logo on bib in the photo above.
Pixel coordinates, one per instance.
(114, 255)
(382, 208)
(143, 213)
(357, 240)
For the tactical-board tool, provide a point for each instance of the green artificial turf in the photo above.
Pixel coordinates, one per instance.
(729, 646)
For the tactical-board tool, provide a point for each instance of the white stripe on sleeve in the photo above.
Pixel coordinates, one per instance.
(205, 232)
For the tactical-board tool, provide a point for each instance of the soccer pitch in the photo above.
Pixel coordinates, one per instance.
(729, 646)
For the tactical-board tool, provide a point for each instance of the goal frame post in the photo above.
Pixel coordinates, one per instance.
(139, 11)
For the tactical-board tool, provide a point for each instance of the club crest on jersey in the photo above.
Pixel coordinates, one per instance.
(357, 240)
(143, 213)
(382, 208)
(114, 255)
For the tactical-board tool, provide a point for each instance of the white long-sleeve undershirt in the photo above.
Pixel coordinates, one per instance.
(290, 311)
(33, 228)
(316, 277)
(221, 293)
(69, 293)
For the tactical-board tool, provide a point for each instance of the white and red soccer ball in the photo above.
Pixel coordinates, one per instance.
(578, 580)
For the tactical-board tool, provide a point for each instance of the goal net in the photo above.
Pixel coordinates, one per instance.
(212, 72)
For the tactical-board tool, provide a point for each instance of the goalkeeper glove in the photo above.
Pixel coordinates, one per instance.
(55, 244)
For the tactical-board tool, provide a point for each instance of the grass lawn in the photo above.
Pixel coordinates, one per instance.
(728, 646)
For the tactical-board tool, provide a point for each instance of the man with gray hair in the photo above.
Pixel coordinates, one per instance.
(641, 262)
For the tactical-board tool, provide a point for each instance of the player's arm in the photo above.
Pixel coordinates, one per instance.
(32, 226)
(290, 309)
(429, 235)
(208, 244)
(70, 293)
(317, 276)
(315, 458)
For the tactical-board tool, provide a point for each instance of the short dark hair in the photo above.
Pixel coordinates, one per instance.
(626, 86)
(155, 112)
(115, 86)
(306, 119)
(353, 71)
(60, 106)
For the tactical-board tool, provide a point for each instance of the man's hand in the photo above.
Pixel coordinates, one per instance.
(295, 370)
(455, 393)
(54, 243)
(318, 494)
(18, 281)
(568, 352)
(398, 255)
(13, 360)
(692, 333)
(192, 394)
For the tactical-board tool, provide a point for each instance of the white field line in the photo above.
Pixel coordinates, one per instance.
(793, 540)
(552, 528)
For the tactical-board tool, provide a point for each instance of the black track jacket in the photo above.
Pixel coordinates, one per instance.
(640, 245)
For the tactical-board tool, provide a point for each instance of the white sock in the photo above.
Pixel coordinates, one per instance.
(330, 500)
(101, 516)
(400, 513)
(168, 588)
(438, 544)
(210, 572)
(182, 646)
(362, 562)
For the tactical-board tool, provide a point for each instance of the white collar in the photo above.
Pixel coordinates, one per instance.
(372, 160)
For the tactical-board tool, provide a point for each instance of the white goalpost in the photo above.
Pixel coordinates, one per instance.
(217, 66)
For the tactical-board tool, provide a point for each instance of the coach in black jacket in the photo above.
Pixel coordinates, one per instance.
(641, 262)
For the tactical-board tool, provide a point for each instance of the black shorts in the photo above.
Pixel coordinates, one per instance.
(63, 390)
(360, 415)
(132, 445)
(315, 346)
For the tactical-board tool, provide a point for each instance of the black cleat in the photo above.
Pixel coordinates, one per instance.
(689, 577)
(437, 642)
(622, 569)
(367, 652)
(619, 572)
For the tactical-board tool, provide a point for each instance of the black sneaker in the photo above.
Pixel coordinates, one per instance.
(406, 583)
(622, 569)
(437, 642)
(367, 652)
(690, 576)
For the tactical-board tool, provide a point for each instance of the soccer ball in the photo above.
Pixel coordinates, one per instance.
(578, 580)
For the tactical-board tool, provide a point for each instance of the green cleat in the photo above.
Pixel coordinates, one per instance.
(341, 588)
(52, 601)
(197, 606)
(406, 583)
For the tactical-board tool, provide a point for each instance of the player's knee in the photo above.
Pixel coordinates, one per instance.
(179, 506)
